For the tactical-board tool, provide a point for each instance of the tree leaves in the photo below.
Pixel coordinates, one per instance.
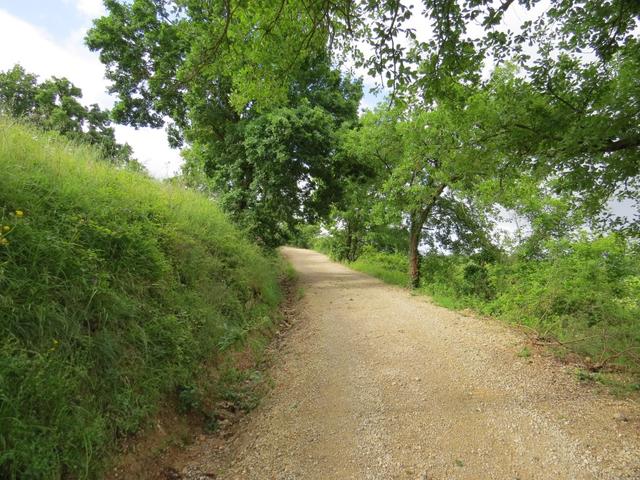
(55, 105)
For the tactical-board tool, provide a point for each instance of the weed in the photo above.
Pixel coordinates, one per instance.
(615, 384)
(524, 353)
(189, 398)
(241, 388)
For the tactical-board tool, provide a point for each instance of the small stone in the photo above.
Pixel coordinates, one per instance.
(621, 417)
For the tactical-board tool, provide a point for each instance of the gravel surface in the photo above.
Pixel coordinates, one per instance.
(374, 383)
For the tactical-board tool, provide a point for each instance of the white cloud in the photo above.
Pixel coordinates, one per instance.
(149, 147)
(39, 53)
(90, 8)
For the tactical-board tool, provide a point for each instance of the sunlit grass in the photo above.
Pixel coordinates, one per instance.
(114, 288)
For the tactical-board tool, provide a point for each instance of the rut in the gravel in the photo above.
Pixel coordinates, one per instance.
(374, 383)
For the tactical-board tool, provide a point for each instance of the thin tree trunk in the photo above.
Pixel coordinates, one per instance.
(417, 221)
(355, 244)
(414, 254)
(349, 240)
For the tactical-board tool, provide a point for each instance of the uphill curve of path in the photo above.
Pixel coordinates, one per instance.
(374, 383)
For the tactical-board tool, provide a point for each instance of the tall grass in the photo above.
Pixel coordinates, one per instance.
(391, 268)
(113, 290)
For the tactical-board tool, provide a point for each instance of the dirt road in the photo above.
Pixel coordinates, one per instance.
(374, 383)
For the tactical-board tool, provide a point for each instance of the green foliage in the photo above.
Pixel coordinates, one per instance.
(55, 105)
(581, 289)
(282, 149)
(240, 387)
(274, 170)
(389, 267)
(305, 236)
(457, 276)
(252, 89)
(114, 289)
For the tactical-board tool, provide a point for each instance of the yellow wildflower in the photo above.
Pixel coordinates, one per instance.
(19, 213)
(6, 228)
(4, 241)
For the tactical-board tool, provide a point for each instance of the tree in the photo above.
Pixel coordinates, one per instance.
(573, 97)
(250, 89)
(368, 151)
(214, 68)
(427, 163)
(55, 105)
(287, 169)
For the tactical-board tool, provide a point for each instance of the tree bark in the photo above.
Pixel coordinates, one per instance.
(417, 220)
(349, 240)
(414, 254)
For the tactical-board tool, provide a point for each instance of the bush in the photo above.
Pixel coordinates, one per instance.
(305, 236)
(582, 289)
(114, 288)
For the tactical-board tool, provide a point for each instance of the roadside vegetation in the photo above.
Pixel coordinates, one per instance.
(499, 170)
(582, 297)
(55, 105)
(116, 292)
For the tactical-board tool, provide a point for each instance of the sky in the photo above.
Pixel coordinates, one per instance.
(47, 38)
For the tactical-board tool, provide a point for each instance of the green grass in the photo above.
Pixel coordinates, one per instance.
(524, 352)
(443, 297)
(390, 268)
(381, 271)
(114, 291)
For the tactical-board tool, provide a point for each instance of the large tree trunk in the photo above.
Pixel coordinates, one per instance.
(414, 254)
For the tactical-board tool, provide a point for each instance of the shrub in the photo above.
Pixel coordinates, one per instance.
(582, 289)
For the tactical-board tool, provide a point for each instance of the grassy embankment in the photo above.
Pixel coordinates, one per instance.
(116, 293)
(583, 297)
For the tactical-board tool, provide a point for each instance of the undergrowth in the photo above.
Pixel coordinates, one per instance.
(114, 291)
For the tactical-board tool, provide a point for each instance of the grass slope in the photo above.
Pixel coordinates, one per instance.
(114, 289)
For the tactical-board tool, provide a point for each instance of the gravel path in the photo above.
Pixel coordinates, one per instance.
(374, 383)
